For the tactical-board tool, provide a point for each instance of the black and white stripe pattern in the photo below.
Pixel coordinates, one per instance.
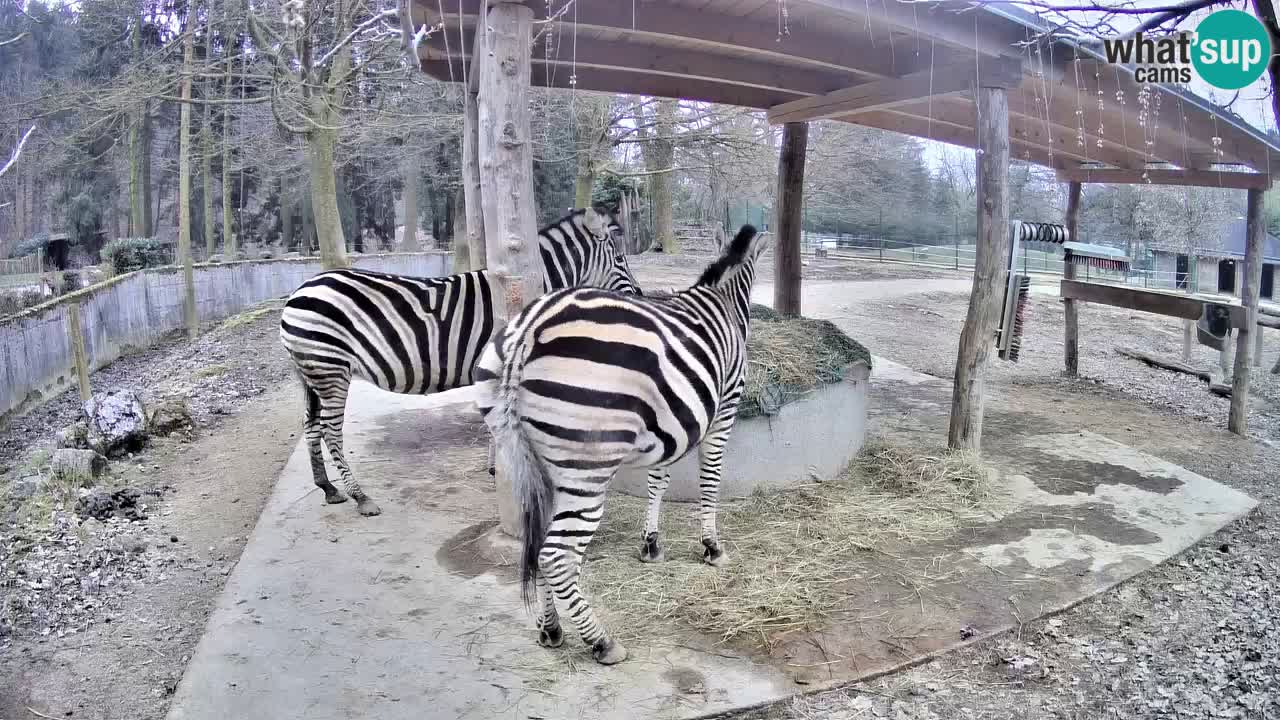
(415, 335)
(585, 382)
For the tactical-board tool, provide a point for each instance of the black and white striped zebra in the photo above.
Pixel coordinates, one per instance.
(416, 335)
(585, 382)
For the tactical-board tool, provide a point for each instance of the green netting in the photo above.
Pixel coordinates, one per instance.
(788, 358)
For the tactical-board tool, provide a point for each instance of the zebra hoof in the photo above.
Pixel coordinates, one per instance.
(609, 652)
(551, 637)
(652, 551)
(335, 498)
(368, 508)
(714, 555)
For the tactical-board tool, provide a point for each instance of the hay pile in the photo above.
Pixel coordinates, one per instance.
(793, 553)
(787, 359)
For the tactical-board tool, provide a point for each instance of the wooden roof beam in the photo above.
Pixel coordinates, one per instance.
(637, 83)
(954, 24)
(676, 63)
(735, 35)
(881, 94)
(953, 133)
(1163, 176)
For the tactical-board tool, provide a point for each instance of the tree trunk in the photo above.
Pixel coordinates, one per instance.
(584, 181)
(790, 202)
(184, 189)
(286, 219)
(1255, 234)
(433, 202)
(977, 337)
(471, 197)
(206, 145)
(410, 195)
(506, 178)
(1071, 356)
(139, 176)
(229, 249)
(321, 143)
(448, 216)
(659, 185)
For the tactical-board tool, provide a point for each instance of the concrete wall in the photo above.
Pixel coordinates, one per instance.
(816, 436)
(135, 310)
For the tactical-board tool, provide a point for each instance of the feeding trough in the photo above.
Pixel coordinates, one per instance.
(802, 418)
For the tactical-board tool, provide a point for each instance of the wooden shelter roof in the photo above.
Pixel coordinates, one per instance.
(900, 66)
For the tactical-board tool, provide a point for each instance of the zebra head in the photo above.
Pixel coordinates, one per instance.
(735, 270)
(601, 222)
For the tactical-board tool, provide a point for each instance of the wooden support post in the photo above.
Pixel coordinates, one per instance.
(75, 332)
(1238, 419)
(471, 194)
(786, 254)
(1072, 325)
(505, 161)
(990, 265)
(1257, 346)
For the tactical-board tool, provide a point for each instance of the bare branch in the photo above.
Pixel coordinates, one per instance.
(359, 29)
(13, 40)
(17, 152)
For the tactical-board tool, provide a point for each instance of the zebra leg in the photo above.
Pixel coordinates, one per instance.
(311, 430)
(711, 456)
(332, 412)
(549, 632)
(560, 561)
(651, 551)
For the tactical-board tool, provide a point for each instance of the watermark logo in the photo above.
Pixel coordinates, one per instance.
(1229, 50)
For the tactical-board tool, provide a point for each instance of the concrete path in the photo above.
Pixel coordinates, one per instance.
(413, 615)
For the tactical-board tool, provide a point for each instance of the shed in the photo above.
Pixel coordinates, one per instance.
(1219, 268)
(982, 75)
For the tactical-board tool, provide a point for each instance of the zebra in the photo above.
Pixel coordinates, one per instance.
(586, 381)
(415, 335)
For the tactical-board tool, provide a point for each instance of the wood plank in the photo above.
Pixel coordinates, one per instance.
(75, 333)
(1071, 327)
(1255, 234)
(880, 94)
(710, 30)
(786, 263)
(1144, 300)
(506, 179)
(976, 339)
(948, 132)
(1207, 376)
(1163, 176)
(953, 24)
(679, 63)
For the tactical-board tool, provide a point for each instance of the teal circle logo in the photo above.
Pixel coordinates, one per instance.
(1232, 49)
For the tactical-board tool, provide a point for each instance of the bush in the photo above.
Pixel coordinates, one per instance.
(12, 303)
(129, 254)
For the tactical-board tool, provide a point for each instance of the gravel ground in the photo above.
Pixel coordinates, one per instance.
(61, 575)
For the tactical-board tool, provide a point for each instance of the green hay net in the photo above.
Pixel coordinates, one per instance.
(788, 359)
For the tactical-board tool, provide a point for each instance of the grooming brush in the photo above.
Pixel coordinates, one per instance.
(1015, 313)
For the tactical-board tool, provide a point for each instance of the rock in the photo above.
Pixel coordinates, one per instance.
(28, 486)
(78, 467)
(117, 422)
(102, 504)
(168, 416)
(216, 258)
(75, 435)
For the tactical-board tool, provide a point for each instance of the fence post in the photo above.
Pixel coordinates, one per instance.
(881, 249)
(76, 333)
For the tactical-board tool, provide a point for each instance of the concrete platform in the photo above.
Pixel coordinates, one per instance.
(330, 615)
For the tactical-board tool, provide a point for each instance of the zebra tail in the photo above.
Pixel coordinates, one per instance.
(530, 483)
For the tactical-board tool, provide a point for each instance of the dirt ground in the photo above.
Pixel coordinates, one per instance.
(1197, 637)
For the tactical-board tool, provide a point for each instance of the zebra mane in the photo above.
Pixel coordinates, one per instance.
(738, 254)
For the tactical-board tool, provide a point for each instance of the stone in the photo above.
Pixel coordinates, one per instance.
(117, 422)
(78, 467)
(28, 486)
(169, 416)
(216, 258)
(75, 435)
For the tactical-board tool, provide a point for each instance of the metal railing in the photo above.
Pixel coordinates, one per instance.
(962, 257)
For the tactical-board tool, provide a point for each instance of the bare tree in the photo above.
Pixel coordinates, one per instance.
(17, 151)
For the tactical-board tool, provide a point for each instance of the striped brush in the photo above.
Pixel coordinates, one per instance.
(1014, 318)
